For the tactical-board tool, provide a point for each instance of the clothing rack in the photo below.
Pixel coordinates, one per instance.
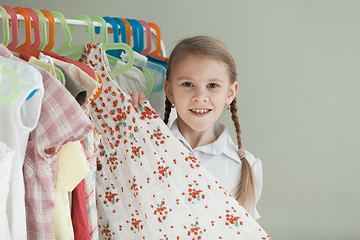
(96, 24)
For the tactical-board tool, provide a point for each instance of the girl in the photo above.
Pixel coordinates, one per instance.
(200, 81)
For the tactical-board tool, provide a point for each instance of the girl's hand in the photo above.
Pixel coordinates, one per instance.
(137, 98)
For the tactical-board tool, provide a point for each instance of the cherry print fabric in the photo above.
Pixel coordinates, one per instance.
(148, 184)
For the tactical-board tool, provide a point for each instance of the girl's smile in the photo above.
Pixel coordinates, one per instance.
(200, 87)
(200, 111)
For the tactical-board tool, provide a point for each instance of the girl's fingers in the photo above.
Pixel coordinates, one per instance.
(141, 98)
(135, 99)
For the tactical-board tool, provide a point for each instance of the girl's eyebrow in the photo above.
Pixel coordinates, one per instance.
(216, 79)
(184, 78)
(209, 80)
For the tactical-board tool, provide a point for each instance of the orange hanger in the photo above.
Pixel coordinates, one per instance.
(128, 31)
(14, 27)
(25, 46)
(51, 20)
(99, 90)
(157, 51)
(34, 48)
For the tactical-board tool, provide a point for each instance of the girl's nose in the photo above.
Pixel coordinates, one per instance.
(200, 95)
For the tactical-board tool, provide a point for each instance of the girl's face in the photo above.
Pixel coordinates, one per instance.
(200, 87)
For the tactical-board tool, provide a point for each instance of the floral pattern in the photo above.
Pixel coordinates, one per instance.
(148, 184)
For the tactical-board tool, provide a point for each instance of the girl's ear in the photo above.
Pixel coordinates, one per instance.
(232, 92)
(168, 91)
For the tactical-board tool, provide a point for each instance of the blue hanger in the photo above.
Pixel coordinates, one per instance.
(138, 35)
(116, 52)
(122, 29)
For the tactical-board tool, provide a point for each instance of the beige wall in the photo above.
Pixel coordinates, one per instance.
(298, 63)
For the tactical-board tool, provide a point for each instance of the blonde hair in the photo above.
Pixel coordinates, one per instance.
(213, 48)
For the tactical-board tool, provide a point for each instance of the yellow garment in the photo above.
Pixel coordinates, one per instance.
(72, 167)
(62, 224)
(47, 66)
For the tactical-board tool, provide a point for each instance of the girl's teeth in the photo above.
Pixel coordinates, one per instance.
(200, 110)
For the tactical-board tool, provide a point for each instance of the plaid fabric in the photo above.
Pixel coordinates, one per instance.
(61, 120)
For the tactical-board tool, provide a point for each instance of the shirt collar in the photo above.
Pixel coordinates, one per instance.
(222, 145)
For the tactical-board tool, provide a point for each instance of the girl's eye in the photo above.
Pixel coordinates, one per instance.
(213, 85)
(187, 84)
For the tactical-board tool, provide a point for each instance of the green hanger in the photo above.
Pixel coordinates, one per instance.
(112, 60)
(104, 27)
(43, 30)
(16, 84)
(5, 26)
(128, 50)
(60, 75)
(88, 28)
(150, 79)
(66, 46)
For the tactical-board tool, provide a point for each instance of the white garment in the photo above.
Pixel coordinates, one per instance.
(157, 95)
(134, 80)
(222, 160)
(6, 159)
(131, 80)
(18, 119)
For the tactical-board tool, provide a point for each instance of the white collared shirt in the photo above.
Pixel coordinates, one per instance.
(221, 159)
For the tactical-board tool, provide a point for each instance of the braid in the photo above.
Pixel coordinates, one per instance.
(167, 110)
(235, 118)
(246, 190)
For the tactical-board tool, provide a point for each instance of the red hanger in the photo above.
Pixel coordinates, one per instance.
(14, 27)
(25, 46)
(146, 50)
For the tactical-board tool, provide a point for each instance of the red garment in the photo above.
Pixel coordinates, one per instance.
(25, 56)
(79, 213)
(89, 70)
